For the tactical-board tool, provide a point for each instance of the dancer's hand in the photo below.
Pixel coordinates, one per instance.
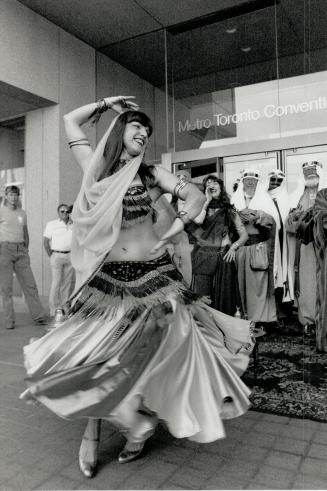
(120, 103)
(176, 227)
(159, 245)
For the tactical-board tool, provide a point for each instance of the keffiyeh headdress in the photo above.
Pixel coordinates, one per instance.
(307, 167)
(280, 193)
(261, 199)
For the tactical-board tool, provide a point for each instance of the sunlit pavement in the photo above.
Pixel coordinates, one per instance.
(39, 450)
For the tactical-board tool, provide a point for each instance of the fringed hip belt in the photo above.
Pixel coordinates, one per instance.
(134, 283)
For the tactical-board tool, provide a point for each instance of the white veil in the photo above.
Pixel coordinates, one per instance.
(97, 211)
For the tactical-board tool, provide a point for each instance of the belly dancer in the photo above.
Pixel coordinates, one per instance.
(138, 346)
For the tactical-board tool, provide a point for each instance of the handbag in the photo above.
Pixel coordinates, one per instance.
(305, 229)
(259, 257)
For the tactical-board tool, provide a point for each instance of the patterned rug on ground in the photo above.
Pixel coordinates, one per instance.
(290, 377)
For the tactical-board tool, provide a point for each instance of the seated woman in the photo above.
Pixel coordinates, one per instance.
(138, 346)
(221, 233)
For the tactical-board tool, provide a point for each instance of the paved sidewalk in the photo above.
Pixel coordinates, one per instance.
(39, 451)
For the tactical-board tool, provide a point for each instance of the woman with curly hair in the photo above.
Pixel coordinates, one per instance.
(221, 233)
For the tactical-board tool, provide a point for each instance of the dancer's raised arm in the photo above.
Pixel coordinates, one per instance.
(193, 202)
(77, 139)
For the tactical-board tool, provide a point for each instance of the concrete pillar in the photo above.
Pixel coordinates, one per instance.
(42, 184)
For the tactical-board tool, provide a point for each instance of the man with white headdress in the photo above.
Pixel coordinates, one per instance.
(284, 292)
(300, 239)
(258, 261)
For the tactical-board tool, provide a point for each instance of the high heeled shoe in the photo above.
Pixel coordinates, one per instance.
(131, 451)
(88, 469)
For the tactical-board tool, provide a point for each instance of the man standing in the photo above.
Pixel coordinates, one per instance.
(302, 254)
(320, 241)
(57, 240)
(258, 260)
(14, 257)
(284, 292)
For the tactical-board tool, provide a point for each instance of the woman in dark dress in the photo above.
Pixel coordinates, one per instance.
(221, 233)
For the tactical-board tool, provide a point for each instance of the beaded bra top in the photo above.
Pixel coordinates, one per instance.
(137, 205)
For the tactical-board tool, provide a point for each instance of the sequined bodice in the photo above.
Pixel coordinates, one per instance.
(137, 205)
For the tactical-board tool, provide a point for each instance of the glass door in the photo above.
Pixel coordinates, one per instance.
(198, 169)
(295, 158)
(263, 162)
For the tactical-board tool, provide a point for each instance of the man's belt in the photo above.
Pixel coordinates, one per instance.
(62, 252)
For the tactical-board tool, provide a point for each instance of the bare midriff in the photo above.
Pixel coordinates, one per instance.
(135, 243)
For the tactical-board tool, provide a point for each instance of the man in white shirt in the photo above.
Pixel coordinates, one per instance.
(57, 238)
(14, 257)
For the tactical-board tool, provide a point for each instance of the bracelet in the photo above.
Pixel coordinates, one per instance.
(101, 107)
(179, 186)
(235, 246)
(182, 215)
(81, 141)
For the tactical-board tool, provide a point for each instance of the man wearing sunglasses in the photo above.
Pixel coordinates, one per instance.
(57, 239)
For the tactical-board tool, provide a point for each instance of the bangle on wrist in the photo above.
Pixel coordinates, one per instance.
(101, 107)
(183, 215)
(81, 141)
(179, 186)
(107, 104)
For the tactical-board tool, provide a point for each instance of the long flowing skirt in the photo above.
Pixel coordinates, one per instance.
(137, 333)
(216, 278)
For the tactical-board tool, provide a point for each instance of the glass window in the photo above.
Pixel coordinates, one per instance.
(258, 71)
(208, 64)
(250, 71)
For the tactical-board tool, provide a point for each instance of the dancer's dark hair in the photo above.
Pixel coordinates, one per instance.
(115, 143)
